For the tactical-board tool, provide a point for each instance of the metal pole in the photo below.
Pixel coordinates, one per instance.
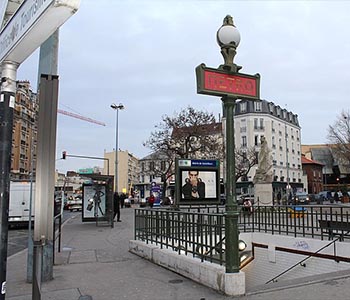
(116, 153)
(231, 216)
(7, 103)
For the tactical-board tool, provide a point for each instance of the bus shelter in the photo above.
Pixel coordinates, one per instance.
(98, 200)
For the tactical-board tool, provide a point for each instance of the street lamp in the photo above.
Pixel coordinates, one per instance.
(226, 82)
(116, 108)
(228, 39)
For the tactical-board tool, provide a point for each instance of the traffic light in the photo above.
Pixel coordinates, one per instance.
(64, 155)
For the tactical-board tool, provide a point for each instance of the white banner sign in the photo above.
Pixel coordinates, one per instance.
(31, 25)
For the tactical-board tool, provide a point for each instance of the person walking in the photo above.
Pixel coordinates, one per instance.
(116, 204)
(336, 197)
(122, 198)
(151, 200)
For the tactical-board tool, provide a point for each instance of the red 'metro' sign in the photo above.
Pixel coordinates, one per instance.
(222, 83)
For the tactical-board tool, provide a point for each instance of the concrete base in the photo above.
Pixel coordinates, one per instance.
(235, 284)
(263, 194)
(208, 274)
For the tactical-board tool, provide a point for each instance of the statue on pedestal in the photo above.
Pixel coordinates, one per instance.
(264, 171)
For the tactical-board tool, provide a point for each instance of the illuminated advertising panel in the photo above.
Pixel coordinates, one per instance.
(197, 181)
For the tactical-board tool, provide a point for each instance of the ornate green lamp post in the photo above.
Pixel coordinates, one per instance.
(228, 39)
(226, 82)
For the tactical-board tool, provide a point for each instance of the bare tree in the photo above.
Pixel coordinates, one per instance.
(245, 160)
(339, 137)
(188, 134)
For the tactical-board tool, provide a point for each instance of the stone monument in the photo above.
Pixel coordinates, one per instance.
(263, 176)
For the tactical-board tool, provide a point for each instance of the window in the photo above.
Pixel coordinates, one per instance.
(243, 106)
(244, 141)
(272, 126)
(255, 123)
(257, 105)
(151, 165)
(261, 123)
(162, 165)
(142, 166)
(256, 140)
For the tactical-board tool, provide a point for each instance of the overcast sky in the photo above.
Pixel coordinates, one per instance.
(144, 53)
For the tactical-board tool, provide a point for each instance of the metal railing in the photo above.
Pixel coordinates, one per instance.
(302, 262)
(298, 221)
(57, 233)
(185, 232)
(200, 230)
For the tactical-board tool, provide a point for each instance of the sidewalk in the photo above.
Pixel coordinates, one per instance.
(96, 265)
(96, 262)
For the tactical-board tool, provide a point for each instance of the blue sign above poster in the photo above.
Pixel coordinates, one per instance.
(203, 163)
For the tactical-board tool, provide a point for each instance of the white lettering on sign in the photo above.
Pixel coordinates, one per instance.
(19, 24)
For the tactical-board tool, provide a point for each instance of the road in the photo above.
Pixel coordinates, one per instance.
(18, 237)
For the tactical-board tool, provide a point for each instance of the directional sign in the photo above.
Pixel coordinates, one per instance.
(33, 22)
(217, 82)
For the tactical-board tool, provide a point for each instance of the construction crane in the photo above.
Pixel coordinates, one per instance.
(63, 112)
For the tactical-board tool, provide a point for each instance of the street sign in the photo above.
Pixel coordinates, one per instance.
(33, 22)
(217, 82)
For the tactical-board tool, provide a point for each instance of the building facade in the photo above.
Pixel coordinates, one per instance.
(152, 167)
(128, 170)
(313, 171)
(24, 139)
(254, 119)
(335, 173)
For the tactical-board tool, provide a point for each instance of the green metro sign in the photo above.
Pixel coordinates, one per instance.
(218, 82)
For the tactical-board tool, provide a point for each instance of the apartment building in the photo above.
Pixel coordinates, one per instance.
(24, 138)
(128, 169)
(313, 171)
(151, 169)
(281, 129)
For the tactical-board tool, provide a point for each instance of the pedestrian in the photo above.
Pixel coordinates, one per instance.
(151, 200)
(121, 200)
(336, 197)
(116, 204)
(279, 197)
(247, 206)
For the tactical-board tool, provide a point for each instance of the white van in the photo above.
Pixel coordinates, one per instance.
(19, 202)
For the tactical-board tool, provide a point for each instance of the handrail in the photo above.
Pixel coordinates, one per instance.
(303, 260)
(59, 217)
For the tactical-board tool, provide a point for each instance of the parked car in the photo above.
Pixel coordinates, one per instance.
(323, 196)
(144, 202)
(75, 203)
(166, 201)
(300, 198)
(127, 202)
